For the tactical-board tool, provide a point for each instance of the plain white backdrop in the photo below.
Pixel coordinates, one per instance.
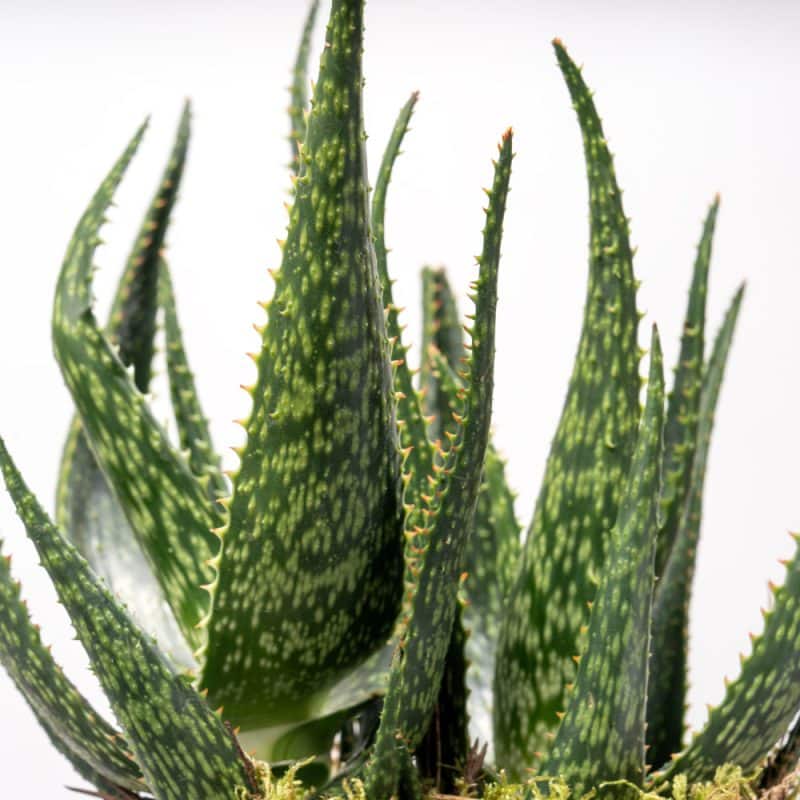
(697, 97)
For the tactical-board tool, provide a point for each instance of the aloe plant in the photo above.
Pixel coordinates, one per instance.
(354, 607)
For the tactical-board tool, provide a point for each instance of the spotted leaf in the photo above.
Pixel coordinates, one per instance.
(52, 696)
(86, 507)
(602, 735)
(680, 430)
(298, 91)
(164, 503)
(181, 746)
(109, 790)
(419, 661)
(193, 431)
(585, 473)
(310, 579)
(492, 551)
(668, 686)
(441, 328)
(761, 703)
(413, 436)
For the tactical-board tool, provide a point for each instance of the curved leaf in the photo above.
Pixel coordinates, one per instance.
(193, 432)
(680, 430)
(109, 789)
(181, 745)
(442, 328)
(85, 504)
(298, 91)
(315, 518)
(163, 502)
(71, 719)
(602, 735)
(419, 661)
(418, 464)
(584, 476)
(666, 696)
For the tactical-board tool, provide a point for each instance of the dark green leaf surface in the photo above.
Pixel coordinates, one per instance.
(492, 560)
(96, 524)
(420, 659)
(602, 735)
(442, 752)
(492, 554)
(680, 430)
(193, 432)
(132, 323)
(298, 91)
(666, 701)
(418, 464)
(310, 581)
(52, 696)
(584, 477)
(181, 746)
(163, 502)
(107, 788)
(441, 328)
(761, 703)
(85, 505)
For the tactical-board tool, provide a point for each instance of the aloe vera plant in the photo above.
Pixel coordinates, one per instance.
(355, 604)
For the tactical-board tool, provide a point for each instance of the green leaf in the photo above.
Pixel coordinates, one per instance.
(181, 746)
(298, 91)
(132, 323)
(492, 555)
(737, 733)
(52, 696)
(315, 518)
(108, 789)
(442, 752)
(420, 658)
(96, 524)
(584, 477)
(602, 735)
(163, 502)
(441, 328)
(85, 504)
(492, 560)
(680, 430)
(668, 665)
(418, 464)
(193, 432)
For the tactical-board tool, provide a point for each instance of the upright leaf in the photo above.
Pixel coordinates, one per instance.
(182, 747)
(163, 502)
(86, 507)
(298, 91)
(193, 432)
(668, 665)
(492, 559)
(602, 735)
(315, 518)
(680, 430)
(441, 754)
(52, 696)
(420, 658)
(442, 328)
(492, 551)
(762, 702)
(585, 473)
(413, 436)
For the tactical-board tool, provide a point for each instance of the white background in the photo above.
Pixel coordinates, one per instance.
(697, 97)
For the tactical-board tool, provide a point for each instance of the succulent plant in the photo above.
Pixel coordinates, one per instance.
(355, 604)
